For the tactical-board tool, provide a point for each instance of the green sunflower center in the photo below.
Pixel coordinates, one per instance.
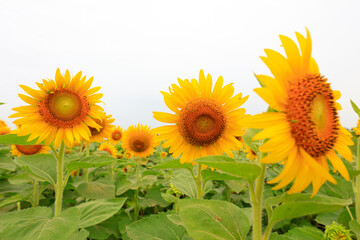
(202, 122)
(312, 115)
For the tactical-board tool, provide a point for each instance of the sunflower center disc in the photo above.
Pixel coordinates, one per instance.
(138, 146)
(28, 149)
(312, 115)
(201, 122)
(64, 105)
(116, 135)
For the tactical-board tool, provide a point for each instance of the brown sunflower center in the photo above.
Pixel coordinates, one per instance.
(116, 135)
(28, 149)
(312, 115)
(94, 131)
(64, 108)
(139, 145)
(201, 122)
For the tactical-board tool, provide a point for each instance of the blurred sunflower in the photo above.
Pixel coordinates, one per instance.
(357, 128)
(62, 110)
(163, 155)
(19, 150)
(4, 129)
(127, 155)
(251, 155)
(98, 135)
(305, 131)
(139, 141)
(108, 147)
(116, 135)
(205, 120)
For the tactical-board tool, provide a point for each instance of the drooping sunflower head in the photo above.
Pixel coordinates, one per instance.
(19, 150)
(139, 141)
(61, 110)
(108, 147)
(116, 135)
(305, 130)
(205, 119)
(4, 129)
(98, 135)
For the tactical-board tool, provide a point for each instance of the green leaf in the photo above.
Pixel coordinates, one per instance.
(79, 235)
(305, 233)
(96, 190)
(106, 228)
(327, 218)
(155, 227)
(355, 227)
(42, 166)
(1, 103)
(123, 186)
(214, 175)
(298, 204)
(16, 140)
(90, 162)
(174, 163)
(248, 171)
(43, 227)
(248, 136)
(185, 183)
(213, 219)
(9, 200)
(153, 198)
(355, 107)
(94, 212)
(7, 163)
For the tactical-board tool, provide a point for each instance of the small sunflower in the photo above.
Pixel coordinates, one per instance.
(251, 155)
(62, 110)
(108, 147)
(19, 150)
(139, 141)
(163, 155)
(98, 135)
(357, 128)
(305, 130)
(205, 120)
(127, 155)
(116, 135)
(4, 129)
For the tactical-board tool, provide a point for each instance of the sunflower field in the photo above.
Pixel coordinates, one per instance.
(210, 171)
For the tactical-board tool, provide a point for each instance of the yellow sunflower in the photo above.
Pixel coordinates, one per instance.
(19, 150)
(108, 147)
(127, 155)
(98, 135)
(139, 141)
(357, 128)
(205, 120)
(116, 135)
(251, 155)
(62, 110)
(305, 131)
(4, 129)
(163, 155)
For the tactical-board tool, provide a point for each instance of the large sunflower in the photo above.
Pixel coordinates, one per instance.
(98, 135)
(205, 120)
(305, 131)
(139, 141)
(60, 111)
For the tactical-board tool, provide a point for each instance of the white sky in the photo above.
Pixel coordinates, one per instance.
(135, 49)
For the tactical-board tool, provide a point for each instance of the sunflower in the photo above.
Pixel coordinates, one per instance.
(98, 135)
(108, 147)
(19, 150)
(116, 135)
(205, 120)
(250, 153)
(139, 141)
(127, 155)
(62, 110)
(163, 155)
(304, 131)
(4, 129)
(357, 128)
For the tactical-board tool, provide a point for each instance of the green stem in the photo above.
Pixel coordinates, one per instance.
(136, 197)
(59, 188)
(86, 170)
(113, 174)
(198, 182)
(357, 192)
(35, 193)
(268, 231)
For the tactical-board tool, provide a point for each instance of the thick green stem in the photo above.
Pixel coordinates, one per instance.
(35, 193)
(59, 188)
(357, 184)
(136, 197)
(86, 170)
(268, 231)
(18, 206)
(198, 181)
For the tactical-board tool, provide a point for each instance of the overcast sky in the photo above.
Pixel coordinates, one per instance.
(135, 49)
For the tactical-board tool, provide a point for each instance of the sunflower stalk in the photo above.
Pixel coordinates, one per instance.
(35, 202)
(59, 187)
(136, 196)
(198, 181)
(86, 170)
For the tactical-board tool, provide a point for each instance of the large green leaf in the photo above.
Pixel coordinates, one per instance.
(355, 107)
(248, 171)
(90, 162)
(355, 227)
(214, 175)
(35, 226)
(96, 190)
(42, 166)
(94, 212)
(174, 163)
(12, 199)
(16, 140)
(7, 163)
(213, 219)
(298, 204)
(305, 233)
(155, 227)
